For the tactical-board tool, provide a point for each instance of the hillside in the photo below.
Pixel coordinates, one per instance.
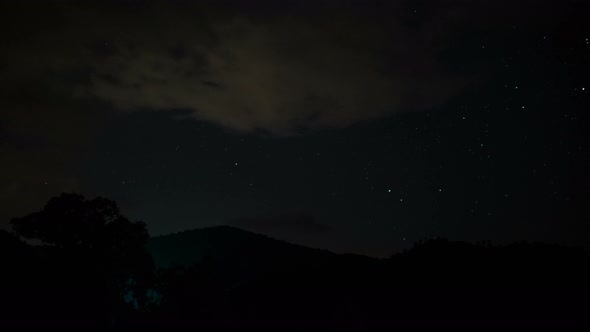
(225, 270)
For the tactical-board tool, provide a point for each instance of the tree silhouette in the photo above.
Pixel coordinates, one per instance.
(95, 258)
(70, 220)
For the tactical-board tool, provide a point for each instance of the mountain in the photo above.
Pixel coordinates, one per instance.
(225, 274)
(233, 256)
(227, 244)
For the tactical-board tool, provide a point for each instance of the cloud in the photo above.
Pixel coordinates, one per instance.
(282, 75)
(283, 71)
(67, 68)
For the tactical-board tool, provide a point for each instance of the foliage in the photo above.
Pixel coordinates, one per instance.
(92, 265)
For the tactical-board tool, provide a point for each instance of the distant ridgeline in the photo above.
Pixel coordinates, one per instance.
(237, 248)
(436, 281)
(230, 244)
(225, 275)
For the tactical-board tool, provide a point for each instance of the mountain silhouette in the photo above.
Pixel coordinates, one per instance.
(227, 243)
(260, 278)
(226, 276)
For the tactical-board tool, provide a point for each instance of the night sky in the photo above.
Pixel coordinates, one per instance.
(354, 126)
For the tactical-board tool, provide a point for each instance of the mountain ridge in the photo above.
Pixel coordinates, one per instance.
(226, 242)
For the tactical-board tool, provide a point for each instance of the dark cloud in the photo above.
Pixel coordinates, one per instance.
(279, 67)
(68, 67)
(325, 66)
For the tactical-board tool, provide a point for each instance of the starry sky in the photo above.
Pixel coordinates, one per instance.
(354, 126)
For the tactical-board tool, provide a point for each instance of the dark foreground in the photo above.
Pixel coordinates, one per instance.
(101, 274)
(438, 282)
